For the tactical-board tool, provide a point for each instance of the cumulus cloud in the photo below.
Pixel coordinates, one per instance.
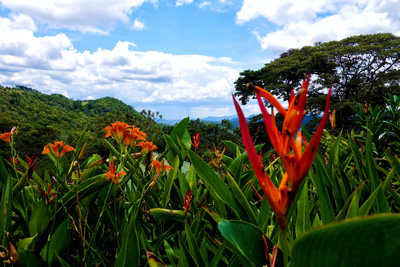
(183, 2)
(52, 65)
(138, 25)
(96, 16)
(305, 22)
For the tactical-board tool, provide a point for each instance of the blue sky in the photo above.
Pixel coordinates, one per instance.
(180, 58)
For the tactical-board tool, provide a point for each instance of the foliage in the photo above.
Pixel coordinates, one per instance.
(361, 69)
(44, 118)
(184, 212)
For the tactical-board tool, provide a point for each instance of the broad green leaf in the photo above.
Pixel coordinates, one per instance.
(39, 219)
(28, 259)
(368, 241)
(233, 147)
(247, 241)
(59, 241)
(181, 132)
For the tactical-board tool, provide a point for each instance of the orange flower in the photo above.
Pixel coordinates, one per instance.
(116, 130)
(132, 134)
(289, 148)
(147, 146)
(55, 149)
(196, 141)
(160, 166)
(7, 136)
(110, 174)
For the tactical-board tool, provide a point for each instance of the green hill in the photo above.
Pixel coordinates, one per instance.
(47, 118)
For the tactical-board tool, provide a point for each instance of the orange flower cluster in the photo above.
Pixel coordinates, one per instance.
(128, 135)
(58, 149)
(289, 147)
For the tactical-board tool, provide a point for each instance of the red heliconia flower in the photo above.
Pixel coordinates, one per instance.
(196, 141)
(288, 146)
(47, 194)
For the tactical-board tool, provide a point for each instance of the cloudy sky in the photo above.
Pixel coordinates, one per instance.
(178, 57)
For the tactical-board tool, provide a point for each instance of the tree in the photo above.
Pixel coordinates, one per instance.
(360, 69)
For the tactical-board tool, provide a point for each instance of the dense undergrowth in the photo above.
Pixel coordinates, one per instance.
(146, 206)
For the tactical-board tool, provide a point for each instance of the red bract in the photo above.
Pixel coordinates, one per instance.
(196, 141)
(288, 146)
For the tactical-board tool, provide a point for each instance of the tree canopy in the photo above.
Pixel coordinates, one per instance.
(360, 69)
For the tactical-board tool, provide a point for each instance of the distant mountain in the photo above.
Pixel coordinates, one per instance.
(232, 118)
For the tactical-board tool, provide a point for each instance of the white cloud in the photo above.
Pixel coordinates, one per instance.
(183, 2)
(305, 22)
(96, 16)
(204, 4)
(138, 25)
(52, 65)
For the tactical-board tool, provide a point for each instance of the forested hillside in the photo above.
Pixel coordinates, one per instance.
(45, 118)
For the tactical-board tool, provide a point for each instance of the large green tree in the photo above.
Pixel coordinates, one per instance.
(361, 69)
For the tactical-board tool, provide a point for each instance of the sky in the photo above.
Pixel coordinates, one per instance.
(179, 57)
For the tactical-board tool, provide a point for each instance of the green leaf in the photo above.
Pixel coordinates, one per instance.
(39, 219)
(59, 241)
(247, 241)
(129, 252)
(240, 197)
(212, 180)
(326, 208)
(218, 256)
(6, 206)
(382, 204)
(28, 259)
(171, 147)
(355, 203)
(303, 223)
(369, 241)
(193, 247)
(168, 184)
(366, 207)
